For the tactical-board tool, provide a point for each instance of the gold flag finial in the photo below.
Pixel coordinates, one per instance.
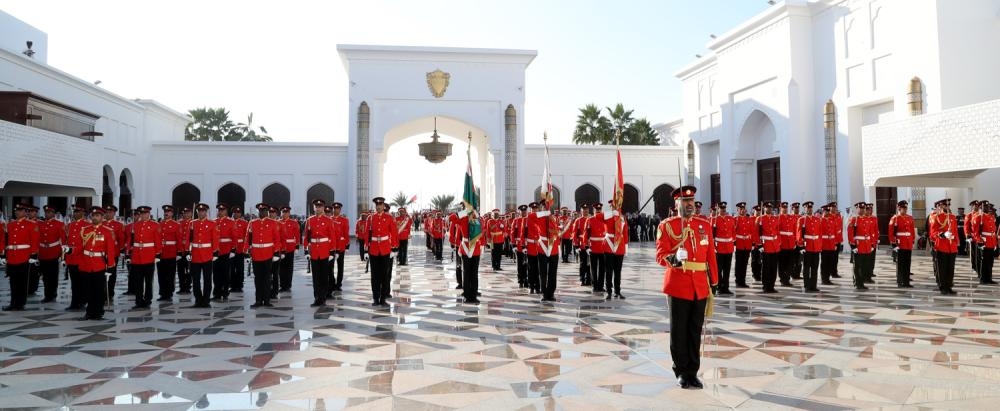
(545, 135)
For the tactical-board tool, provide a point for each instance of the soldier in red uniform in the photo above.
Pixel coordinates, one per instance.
(786, 234)
(382, 246)
(292, 233)
(118, 229)
(518, 237)
(263, 240)
(547, 237)
(359, 228)
(755, 254)
(341, 243)
(594, 243)
(863, 237)
(404, 224)
(685, 247)
(767, 236)
(618, 238)
(724, 232)
(98, 252)
(52, 239)
(203, 243)
(943, 232)
(970, 225)
(579, 225)
(221, 267)
(531, 248)
(77, 287)
(34, 275)
(495, 230)
(317, 240)
(809, 235)
(798, 254)
(986, 242)
(902, 234)
(566, 234)
(743, 234)
(469, 250)
(144, 248)
(438, 231)
(838, 235)
(170, 233)
(237, 265)
(129, 281)
(829, 255)
(20, 252)
(184, 249)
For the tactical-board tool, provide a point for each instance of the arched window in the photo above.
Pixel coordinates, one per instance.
(587, 194)
(630, 203)
(233, 195)
(185, 195)
(276, 195)
(690, 162)
(125, 194)
(663, 201)
(319, 191)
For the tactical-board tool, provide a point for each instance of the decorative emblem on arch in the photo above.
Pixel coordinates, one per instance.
(437, 82)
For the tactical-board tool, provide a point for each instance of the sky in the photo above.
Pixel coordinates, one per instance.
(278, 59)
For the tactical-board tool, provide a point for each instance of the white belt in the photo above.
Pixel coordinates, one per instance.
(596, 238)
(767, 238)
(169, 243)
(724, 240)
(742, 237)
(984, 234)
(828, 237)
(786, 233)
(55, 244)
(93, 253)
(18, 247)
(530, 241)
(382, 238)
(611, 236)
(201, 245)
(860, 237)
(319, 240)
(265, 245)
(239, 241)
(225, 240)
(907, 234)
(142, 245)
(810, 237)
(290, 241)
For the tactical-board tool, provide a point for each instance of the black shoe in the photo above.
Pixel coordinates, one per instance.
(268, 304)
(383, 304)
(162, 299)
(388, 296)
(184, 292)
(811, 290)
(458, 287)
(990, 282)
(828, 283)
(742, 286)
(128, 293)
(376, 303)
(683, 382)
(256, 305)
(607, 297)
(696, 383)
(48, 299)
(471, 301)
(861, 287)
(796, 277)
(317, 304)
(950, 292)
(835, 275)
(620, 296)
(725, 292)
(786, 284)
(13, 308)
(869, 281)
(84, 318)
(770, 291)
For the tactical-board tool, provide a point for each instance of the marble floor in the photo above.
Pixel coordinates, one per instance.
(840, 349)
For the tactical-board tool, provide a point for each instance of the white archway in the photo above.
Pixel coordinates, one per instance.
(757, 140)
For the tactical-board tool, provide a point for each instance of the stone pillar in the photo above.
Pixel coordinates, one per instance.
(918, 195)
(830, 144)
(364, 115)
(510, 164)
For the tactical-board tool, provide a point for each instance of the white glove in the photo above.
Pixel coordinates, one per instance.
(63, 263)
(681, 255)
(330, 258)
(626, 249)
(588, 251)
(65, 249)
(178, 258)
(3, 261)
(275, 259)
(281, 256)
(214, 258)
(156, 260)
(128, 261)
(968, 240)
(392, 255)
(188, 257)
(949, 235)
(366, 255)
(802, 251)
(33, 261)
(232, 254)
(854, 250)
(895, 248)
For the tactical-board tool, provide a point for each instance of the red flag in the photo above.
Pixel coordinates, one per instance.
(413, 199)
(619, 196)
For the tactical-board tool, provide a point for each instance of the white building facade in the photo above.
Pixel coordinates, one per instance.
(824, 101)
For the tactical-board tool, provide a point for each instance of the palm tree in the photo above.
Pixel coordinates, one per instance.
(210, 124)
(442, 202)
(591, 126)
(641, 134)
(249, 134)
(621, 120)
(400, 200)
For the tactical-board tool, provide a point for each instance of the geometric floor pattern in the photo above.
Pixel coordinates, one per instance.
(836, 350)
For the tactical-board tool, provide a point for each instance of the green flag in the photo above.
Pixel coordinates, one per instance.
(470, 196)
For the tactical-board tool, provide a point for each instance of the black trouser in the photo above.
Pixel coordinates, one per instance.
(184, 274)
(18, 274)
(756, 263)
(946, 270)
(986, 256)
(262, 281)
(810, 270)
(724, 261)
(112, 281)
(470, 277)
(598, 268)
(828, 264)
(401, 254)
(613, 279)
(458, 266)
(94, 289)
(973, 254)
(742, 258)
(165, 276)
(286, 270)
(861, 270)
(687, 317)
(221, 275)
(321, 278)
(786, 261)
(337, 279)
(495, 254)
(361, 249)
(903, 258)
(50, 277)
(438, 248)
(584, 268)
(533, 281)
(522, 269)
(567, 249)
(769, 269)
(237, 270)
(547, 267)
(201, 278)
(934, 255)
(379, 276)
(77, 288)
(142, 283)
(34, 277)
(797, 267)
(129, 282)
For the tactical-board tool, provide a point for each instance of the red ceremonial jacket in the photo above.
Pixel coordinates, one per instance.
(97, 249)
(691, 280)
(382, 234)
(725, 234)
(263, 239)
(203, 240)
(51, 238)
(903, 233)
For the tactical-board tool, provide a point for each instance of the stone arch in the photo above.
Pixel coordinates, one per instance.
(663, 201)
(757, 140)
(319, 191)
(233, 195)
(108, 186)
(125, 188)
(185, 195)
(630, 202)
(276, 195)
(556, 197)
(586, 194)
